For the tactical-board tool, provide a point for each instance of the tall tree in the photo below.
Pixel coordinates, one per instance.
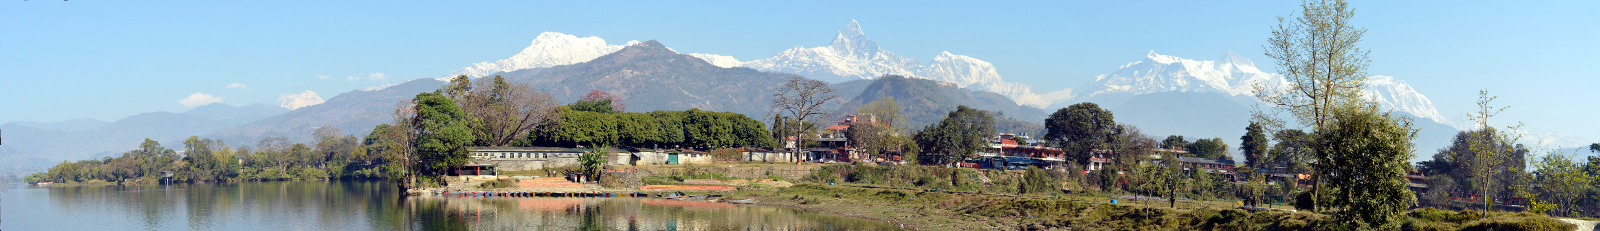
(884, 111)
(959, 136)
(1292, 150)
(442, 132)
(1371, 150)
(877, 124)
(1254, 146)
(1079, 129)
(1316, 52)
(801, 100)
(1563, 181)
(503, 111)
(1490, 148)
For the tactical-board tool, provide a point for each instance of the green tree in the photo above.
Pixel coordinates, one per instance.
(637, 130)
(878, 122)
(1078, 129)
(592, 162)
(1371, 150)
(1254, 146)
(1213, 148)
(1293, 150)
(600, 106)
(1489, 149)
(1174, 142)
(1563, 181)
(1317, 54)
(442, 133)
(958, 137)
(1036, 180)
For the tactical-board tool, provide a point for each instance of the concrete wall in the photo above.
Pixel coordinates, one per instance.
(772, 157)
(787, 172)
(524, 161)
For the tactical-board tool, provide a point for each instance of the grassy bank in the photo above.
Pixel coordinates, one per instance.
(924, 210)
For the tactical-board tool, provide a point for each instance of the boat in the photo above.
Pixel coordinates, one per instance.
(745, 201)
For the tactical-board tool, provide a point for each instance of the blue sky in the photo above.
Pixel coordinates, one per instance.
(111, 59)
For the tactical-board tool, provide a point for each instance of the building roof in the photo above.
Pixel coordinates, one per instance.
(838, 127)
(1205, 161)
(535, 149)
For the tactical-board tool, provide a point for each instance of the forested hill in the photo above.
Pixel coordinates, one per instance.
(925, 102)
(650, 77)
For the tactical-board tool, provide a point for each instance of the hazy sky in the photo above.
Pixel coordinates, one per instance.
(111, 59)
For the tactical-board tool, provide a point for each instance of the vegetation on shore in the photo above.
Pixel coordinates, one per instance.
(926, 210)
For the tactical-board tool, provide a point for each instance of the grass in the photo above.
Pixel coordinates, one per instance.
(960, 211)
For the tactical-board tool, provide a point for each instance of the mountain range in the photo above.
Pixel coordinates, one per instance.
(926, 102)
(853, 56)
(54, 143)
(1163, 95)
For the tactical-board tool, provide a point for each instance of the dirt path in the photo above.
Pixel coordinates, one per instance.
(1583, 225)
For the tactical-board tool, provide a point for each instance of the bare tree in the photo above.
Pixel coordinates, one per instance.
(401, 155)
(801, 99)
(506, 111)
(1317, 54)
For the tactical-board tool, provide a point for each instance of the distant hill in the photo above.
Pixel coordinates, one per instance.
(650, 77)
(29, 143)
(72, 125)
(1197, 115)
(1193, 115)
(125, 134)
(237, 115)
(926, 102)
(355, 112)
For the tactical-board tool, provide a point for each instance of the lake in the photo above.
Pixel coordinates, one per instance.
(374, 205)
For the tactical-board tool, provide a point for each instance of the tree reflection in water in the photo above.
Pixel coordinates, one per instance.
(376, 205)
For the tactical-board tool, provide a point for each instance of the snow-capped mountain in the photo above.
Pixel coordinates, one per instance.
(1231, 75)
(852, 56)
(1397, 95)
(548, 50)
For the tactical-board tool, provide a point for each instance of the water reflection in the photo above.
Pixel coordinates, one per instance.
(375, 205)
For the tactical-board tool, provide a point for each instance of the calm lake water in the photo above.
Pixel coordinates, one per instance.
(374, 205)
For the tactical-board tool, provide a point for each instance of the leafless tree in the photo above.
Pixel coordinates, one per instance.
(506, 110)
(801, 99)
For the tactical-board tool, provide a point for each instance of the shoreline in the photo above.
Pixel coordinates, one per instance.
(902, 225)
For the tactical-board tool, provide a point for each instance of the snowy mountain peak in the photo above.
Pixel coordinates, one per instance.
(1231, 74)
(852, 56)
(1391, 93)
(1163, 59)
(852, 42)
(1236, 59)
(547, 50)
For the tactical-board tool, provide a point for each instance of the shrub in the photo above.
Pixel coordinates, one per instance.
(500, 183)
(727, 154)
(1036, 180)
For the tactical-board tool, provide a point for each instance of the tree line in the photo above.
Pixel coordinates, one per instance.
(433, 132)
(331, 155)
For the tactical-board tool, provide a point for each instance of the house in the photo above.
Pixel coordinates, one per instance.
(534, 158)
(1213, 166)
(834, 136)
(1005, 152)
(770, 155)
(1099, 159)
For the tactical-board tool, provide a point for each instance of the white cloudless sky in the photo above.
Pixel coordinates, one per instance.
(111, 59)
